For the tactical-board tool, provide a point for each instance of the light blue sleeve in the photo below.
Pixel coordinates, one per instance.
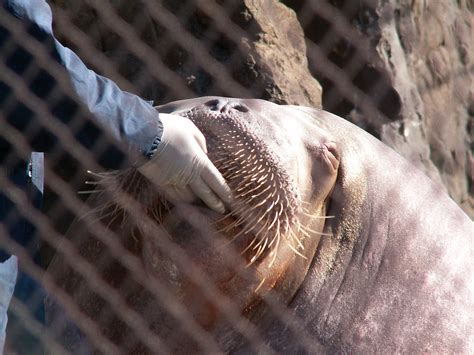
(128, 117)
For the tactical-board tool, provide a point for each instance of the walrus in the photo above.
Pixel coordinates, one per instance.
(335, 244)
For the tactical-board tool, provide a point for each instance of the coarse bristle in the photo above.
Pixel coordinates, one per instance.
(266, 198)
(266, 206)
(119, 187)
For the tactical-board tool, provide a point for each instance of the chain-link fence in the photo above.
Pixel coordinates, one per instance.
(83, 282)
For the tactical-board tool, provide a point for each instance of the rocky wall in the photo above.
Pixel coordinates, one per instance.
(416, 67)
(413, 59)
(258, 44)
(428, 50)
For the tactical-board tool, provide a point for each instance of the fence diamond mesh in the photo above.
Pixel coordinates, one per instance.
(87, 230)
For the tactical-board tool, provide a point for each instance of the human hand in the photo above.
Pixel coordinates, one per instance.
(181, 168)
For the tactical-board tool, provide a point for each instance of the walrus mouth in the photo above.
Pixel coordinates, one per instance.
(266, 200)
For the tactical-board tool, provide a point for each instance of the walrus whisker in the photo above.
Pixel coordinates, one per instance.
(155, 214)
(249, 191)
(99, 175)
(237, 153)
(277, 244)
(231, 168)
(274, 220)
(244, 184)
(102, 215)
(241, 232)
(252, 170)
(255, 197)
(124, 219)
(248, 247)
(89, 192)
(157, 210)
(260, 285)
(264, 215)
(307, 229)
(264, 225)
(262, 239)
(222, 219)
(252, 197)
(306, 232)
(220, 160)
(265, 176)
(95, 211)
(296, 251)
(227, 228)
(134, 236)
(243, 219)
(295, 238)
(261, 244)
(238, 173)
(317, 217)
(245, 230)
(273, 240)
(247, 157)
(287, 225)
(305, 202)
(303, 231)
(259, 179)
(256, 255)
(267, 211)
(235, 214)
(115, 216)
(258, 205)
(114, 211)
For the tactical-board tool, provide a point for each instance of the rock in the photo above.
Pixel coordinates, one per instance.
(423, 58)
(279, 51)
(429, 54)
(260, 48)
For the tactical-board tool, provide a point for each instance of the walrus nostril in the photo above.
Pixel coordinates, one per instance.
(215, 104)
(240, 107)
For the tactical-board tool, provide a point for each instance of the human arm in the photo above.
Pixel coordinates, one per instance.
(135, 122)
(128, 117)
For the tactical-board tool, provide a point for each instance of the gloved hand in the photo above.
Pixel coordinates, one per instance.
(181, 168)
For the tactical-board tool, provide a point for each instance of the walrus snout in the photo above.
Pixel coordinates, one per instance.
(267, 198)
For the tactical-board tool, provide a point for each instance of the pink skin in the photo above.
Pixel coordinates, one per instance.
(392, 272)
(313, 164)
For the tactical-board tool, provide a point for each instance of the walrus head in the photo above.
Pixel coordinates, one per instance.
(281, 182)
(258, 164)
(281, 169)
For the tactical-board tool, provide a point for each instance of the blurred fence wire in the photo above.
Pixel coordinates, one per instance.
(162, 51)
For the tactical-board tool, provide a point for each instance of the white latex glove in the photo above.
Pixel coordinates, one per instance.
(181, 168)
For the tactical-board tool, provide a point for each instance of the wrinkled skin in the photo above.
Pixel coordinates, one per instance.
(396, 274)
